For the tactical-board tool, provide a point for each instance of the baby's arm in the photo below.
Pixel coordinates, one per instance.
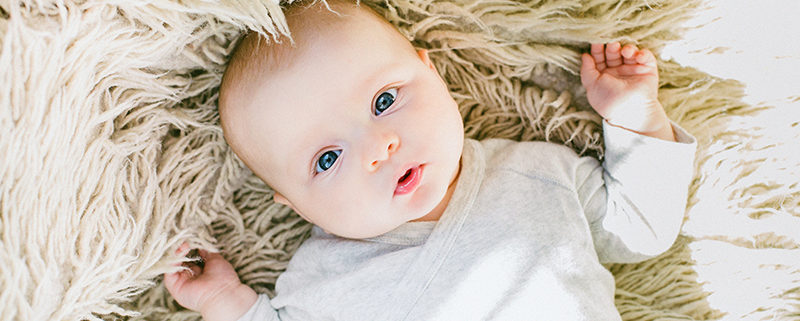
(636, 200)
(622, 86)
(214, 289)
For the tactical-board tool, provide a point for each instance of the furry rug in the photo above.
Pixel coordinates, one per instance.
(111, 154)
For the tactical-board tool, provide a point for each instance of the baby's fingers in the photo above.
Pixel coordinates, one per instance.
(182, 252)
(628, 53)
(183, 249)
(645, 57)
(210, 257)
(215, 264)
(175, 281)
(589, 71)
(613, 56)
(599, 56)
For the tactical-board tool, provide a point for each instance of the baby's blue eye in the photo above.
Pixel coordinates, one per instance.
(385, 100)
(327, 160)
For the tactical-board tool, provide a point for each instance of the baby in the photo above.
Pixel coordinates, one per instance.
(356, 131)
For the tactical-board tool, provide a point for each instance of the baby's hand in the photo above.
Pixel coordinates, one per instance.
(622, 86)
(212, 289)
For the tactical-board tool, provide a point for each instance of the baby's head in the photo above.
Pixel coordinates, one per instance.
(350, 125)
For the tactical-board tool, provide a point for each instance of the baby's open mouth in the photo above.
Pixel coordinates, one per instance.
(409, 181)
(408, 173)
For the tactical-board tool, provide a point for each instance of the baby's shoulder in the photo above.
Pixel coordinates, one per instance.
(532, 158)
(506, 151)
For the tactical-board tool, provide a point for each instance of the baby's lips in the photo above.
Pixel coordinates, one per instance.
(403, 170)
(411, 181)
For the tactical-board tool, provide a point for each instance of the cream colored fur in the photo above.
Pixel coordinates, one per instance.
(111, 153)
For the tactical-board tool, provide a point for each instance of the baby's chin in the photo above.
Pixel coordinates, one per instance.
(425, 207)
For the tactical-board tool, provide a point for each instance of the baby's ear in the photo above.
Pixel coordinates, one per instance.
(423, 55)
(280, 199)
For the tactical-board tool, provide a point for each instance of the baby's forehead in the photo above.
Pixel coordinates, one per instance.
(259, 61)
(316, 21)
(310, 27)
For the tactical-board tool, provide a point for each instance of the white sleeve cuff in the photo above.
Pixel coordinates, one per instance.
(262, 310)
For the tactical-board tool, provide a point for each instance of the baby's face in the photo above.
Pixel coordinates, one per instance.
(359, 135)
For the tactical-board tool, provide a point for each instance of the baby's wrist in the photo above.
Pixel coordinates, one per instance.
(661, 131)
(654, 123)
(230, 304)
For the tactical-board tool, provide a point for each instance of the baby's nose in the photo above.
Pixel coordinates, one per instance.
(382, 150)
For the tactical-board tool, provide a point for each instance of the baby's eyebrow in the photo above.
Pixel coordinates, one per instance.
(308, 155)
(296, 155)
(390, 71)
(373, 77)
